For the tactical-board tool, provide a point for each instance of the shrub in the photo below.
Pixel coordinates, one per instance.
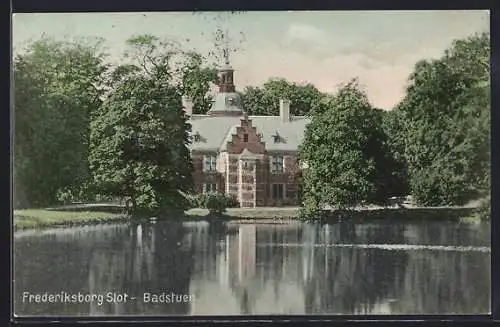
(202, 200)
(65, 195)
(216, 203)
(484, 210)
(232, 201)
(193, 200)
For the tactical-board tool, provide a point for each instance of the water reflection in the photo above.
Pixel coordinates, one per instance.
(383, 268)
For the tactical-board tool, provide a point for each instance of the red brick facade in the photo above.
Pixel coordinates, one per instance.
(249, 177)
(243, 167)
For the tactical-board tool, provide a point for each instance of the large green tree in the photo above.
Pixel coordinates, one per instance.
(393, 125)
(344, 151)
(139, 137)
(447, 122)
(197, 80)
(56, 89)
(265, 100)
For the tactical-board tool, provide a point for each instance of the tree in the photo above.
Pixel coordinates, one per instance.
(265, 100)
(390, 176)
(394, 127)
(140, 136)
(447, 113)
(197, 80)
(258, 102)
(56, 89)
(342, 147)
(192, 72)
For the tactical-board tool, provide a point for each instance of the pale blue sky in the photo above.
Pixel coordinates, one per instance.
(324, 48)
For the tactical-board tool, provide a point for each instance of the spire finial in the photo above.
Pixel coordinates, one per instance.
(225, 53)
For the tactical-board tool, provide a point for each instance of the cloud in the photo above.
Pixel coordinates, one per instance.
(305, 32)
(382, 52)
(307, 40)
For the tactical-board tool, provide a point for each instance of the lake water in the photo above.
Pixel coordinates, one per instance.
(231, 269)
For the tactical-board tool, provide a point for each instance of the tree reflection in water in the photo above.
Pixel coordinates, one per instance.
(235, 269)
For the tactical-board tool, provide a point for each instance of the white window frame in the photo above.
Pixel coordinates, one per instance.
(274, 163)
(209, 162)
(210, 187)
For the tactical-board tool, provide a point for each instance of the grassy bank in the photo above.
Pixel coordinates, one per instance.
(94, 214)
(251, 213)
(40, 218)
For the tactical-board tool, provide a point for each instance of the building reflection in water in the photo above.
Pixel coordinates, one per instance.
(287, 269)
(258, 269)
(248, 278)
(227, 287)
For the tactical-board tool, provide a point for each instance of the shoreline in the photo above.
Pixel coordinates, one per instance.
(71, 216)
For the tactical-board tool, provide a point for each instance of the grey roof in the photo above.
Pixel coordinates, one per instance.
(215, 131)
(227, 102)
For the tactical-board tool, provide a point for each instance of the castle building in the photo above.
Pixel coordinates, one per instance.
(254, 158)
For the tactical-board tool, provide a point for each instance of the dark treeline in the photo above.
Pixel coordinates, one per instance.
(435, 145)
(86, 129)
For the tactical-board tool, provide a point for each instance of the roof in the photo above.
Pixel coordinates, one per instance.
(226, 67)
(215, 131)
(227, 102)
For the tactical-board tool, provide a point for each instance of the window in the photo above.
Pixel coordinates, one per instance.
(245, 138)
(277, 191)
(277, 137)
(197, 137)
(277, 164)
(209, 188)
(210, 163)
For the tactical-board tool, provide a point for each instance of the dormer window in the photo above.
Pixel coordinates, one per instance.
(232, 101)
(197, 137)
(277, 137)
(245, 138)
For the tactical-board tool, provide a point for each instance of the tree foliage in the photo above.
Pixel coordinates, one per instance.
(197, 80)
(343, 149)
(139, 136)
(189, 70)
(265, 100)
(60, 88)
(393, 125)
(56, 89)
(447, 122)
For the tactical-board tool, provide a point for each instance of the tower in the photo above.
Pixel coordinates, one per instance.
(226, 79)
(227, 102)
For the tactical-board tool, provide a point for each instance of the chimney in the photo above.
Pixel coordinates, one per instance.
(285, 110)
(187, 104)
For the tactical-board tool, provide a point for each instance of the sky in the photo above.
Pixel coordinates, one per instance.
(326, 48)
